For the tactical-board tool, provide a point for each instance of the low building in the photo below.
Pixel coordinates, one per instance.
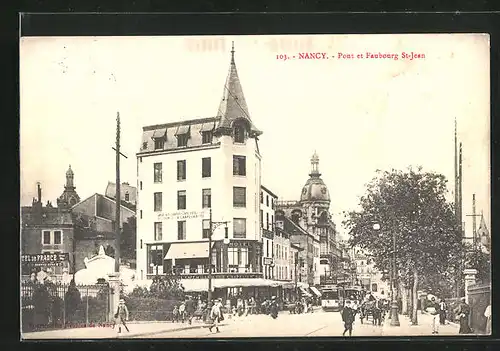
(94, 219)
(49, 230)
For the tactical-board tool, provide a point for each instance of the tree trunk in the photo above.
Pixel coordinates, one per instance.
(404, 296)
(414, 319)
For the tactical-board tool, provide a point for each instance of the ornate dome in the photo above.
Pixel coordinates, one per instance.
(315, 189)
(69, 172)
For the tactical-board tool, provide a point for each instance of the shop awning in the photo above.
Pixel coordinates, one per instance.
(305, 292)
(207, 127)
(315, 291)
(195, 285)
(288, 285)
(187, 250)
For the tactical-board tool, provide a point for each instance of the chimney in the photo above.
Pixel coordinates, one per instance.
(39, 193)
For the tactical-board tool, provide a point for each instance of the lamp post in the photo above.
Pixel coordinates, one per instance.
(213, 227)
(394, 304)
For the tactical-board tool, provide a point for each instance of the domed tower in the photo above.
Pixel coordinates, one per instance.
(315, 197)
(69, 197)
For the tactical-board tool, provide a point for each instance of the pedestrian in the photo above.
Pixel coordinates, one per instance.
(175, 314)
(442, 312)
(377, 312)
(216, 315)
(433, 309)
(487, 314)
(121, 316)
(190, 309)
(462, 312)
(348, 314)
(182, 311)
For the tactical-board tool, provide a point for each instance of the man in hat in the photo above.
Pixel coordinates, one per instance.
(348, 314)
(121, 316)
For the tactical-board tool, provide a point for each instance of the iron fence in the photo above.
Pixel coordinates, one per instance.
(56, 305)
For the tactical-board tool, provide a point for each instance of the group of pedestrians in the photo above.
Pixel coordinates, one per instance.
(186, 310)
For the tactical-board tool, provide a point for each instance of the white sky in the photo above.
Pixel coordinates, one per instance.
(360, 115)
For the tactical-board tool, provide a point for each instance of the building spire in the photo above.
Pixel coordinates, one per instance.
(233, 105)
(315, 165)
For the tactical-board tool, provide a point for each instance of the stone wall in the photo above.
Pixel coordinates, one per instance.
(479, 298)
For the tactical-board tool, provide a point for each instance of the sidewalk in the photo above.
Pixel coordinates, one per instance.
(136, 329)
(424, 327)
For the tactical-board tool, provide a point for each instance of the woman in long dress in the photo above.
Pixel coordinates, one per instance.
(463, 312)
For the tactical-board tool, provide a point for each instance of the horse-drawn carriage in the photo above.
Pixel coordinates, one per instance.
(373, 310)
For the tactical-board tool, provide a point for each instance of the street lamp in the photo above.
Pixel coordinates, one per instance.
(394, 304)
(213, 227)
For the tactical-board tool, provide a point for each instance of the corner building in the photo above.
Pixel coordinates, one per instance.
(189, 172)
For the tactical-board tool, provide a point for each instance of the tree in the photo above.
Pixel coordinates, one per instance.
(167, 287)
(411, 206)
(480, 260)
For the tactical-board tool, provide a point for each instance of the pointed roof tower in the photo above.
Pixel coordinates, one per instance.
(233, 105)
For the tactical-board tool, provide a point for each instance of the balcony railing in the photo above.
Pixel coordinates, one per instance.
(287, 203)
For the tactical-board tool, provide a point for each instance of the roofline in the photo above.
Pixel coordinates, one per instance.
(81, 201)
(114, 201)
(269, 191)
(178, 123)
(105, 197)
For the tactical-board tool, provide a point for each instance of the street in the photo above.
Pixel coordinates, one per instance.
(319, 323)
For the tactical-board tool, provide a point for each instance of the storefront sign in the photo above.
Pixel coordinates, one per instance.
(267, 261)
(57, 259)
(180, 215)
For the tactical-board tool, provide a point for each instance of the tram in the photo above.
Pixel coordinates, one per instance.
(332, 297)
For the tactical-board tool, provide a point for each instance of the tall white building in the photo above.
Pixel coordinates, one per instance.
(267, 225)
(185, 170)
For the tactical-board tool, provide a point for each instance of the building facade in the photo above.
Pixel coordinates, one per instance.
(367, 276)
(199, 178)
(49, 230)
(312, 214)
(267, 227)
(94, 225)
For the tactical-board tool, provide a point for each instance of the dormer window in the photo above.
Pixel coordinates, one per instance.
(182, 135)
(145, 145)
(127, 196)
(207, 137)
(159, 143)
(239, 134)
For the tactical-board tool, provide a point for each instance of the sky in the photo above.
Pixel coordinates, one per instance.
(359, 114)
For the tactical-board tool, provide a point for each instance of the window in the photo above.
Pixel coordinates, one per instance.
(239, 165)
(267, 248)
(159, 143)
(127, 196)
(182, 140)
(140, 214)
(207, 137)
(181, 230)
(261, 219)
(272, 203)
(140, 185)
(141, 243)
(238, 257)
(158, 172)
(57, 237)
(267, 200)
(239, 228)
(206, 198)
(239, 134)
(206, 167)
(239, 196)
(272, 222)
(46, 238)
(205, 229)
(267, 221)
(155, 258)
(158, 201)
(181, 200)
(261, 198)
(181, 170)
(158, 230)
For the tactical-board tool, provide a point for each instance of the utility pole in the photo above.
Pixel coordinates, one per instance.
(117, 195)
(213, 227)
